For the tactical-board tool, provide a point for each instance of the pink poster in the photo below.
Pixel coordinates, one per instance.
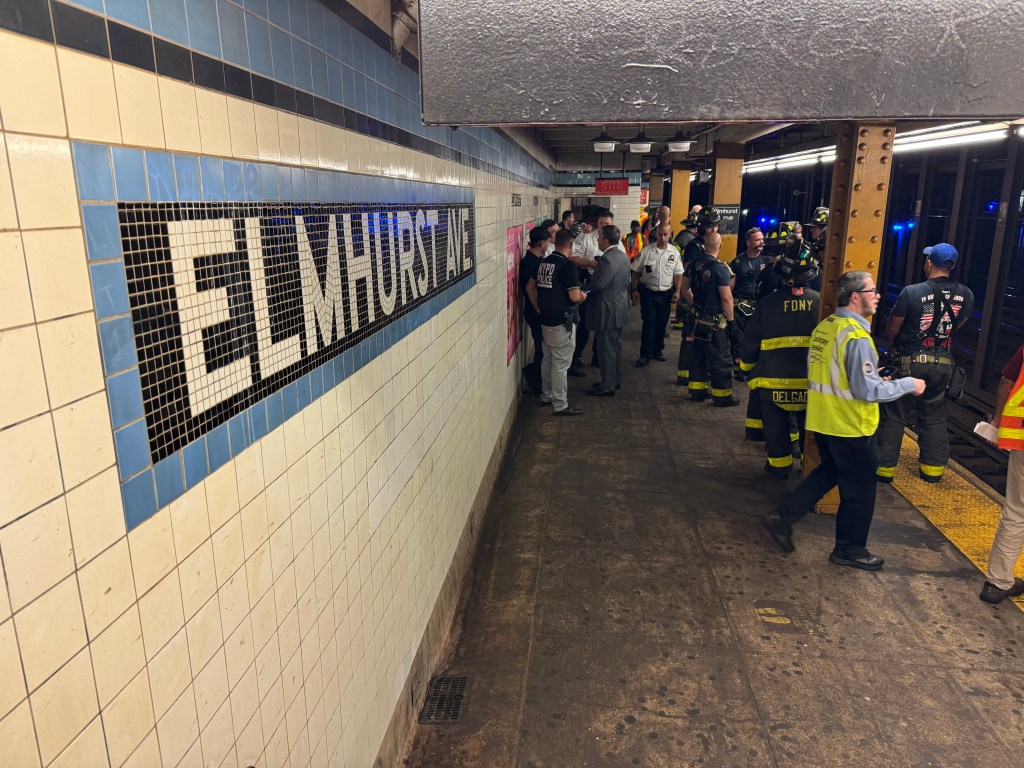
(513, 253)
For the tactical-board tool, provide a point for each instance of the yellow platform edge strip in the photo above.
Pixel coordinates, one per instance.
(964, 509)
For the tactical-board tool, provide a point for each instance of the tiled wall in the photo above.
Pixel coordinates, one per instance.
(268, 614)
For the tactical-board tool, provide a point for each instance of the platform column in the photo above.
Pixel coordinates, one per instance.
(680, 192)
(726, 190)
(860, 190)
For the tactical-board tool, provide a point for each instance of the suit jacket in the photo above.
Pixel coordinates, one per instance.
(607, 305)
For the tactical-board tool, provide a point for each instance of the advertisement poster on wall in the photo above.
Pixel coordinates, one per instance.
(513, 253)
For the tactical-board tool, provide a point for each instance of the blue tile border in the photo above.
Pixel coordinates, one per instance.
(127, 176)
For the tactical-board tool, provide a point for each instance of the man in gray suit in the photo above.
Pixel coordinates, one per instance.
(608, 309)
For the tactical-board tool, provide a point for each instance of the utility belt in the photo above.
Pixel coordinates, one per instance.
(924, 357)
(706, 323)
(957, 378)
(745, 307)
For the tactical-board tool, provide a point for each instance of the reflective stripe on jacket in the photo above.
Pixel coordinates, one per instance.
(1011, 421)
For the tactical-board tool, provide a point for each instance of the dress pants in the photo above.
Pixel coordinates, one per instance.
(927, 413)
(609, 357)
(559, 343)
(533, 320)
(1009, 540)
(712, 361)
(655, 308)
(850, 463)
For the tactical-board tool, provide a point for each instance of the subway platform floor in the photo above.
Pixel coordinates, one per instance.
(625, 609)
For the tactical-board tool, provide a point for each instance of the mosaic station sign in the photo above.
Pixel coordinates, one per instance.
(231, 302)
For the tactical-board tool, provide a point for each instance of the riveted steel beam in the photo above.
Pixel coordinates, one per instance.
(860, 190)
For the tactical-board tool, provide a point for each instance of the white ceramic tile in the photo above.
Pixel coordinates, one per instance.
(128, 718)
(108, 589)
(218, 736)
(152, 547)
(205, 635)
(138, 100)
(170, 673)
(30, 97)
(147, 755)
(249, 472)
(96, 514)
(44, 182)
(268, 139)
(222, 495)
(64, 705)
(88, 750)
(308, 154)
(89, 97)
(84, 439)
(37, 552)
(118, 655)
(50, 631)
(288, 130)
(242, 125)
(71, 358)
(198, 579)
(178, 729)
(214, 131)
(22, 384)
(15, 296)
(234, 602)
(161, 614)
(181, 118)
(18, 738)
(57, 272)
(228, 549)
(190, 523)
(211, 687)
(255, 527)
(29, 467)
(12, 676)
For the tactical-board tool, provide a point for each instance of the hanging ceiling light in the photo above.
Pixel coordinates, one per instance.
(640, 144)
(680, 142)
(604, 142)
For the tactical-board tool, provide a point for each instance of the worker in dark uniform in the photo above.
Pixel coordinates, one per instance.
(817, 231)
(686, 234)
(747, 266)
(707, 287)
(922, 324)
(707, 221)
(774, 350)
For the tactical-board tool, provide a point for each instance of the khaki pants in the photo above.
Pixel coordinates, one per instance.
(1009, 541)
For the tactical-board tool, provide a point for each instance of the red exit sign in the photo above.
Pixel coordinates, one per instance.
(611, 187)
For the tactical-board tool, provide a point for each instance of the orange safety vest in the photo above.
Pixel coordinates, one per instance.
(1011, 421)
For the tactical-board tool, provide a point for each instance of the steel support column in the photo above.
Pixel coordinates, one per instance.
(727, 189)
(860, 189)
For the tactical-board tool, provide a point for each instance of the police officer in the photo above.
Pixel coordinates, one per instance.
(774, 349)
(843, 393)
(707, 221)
(657, 275)
(707, 288)
(747, 267)
(922, 325)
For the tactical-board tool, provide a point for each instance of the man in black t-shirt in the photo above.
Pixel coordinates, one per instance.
(554, 292)
(922, 324)
(747, 267)
(539, 241)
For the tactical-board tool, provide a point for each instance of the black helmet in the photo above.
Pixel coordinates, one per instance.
(690, 220)
(797, 265)
(708, 217)
(819, 218)
(775, 242)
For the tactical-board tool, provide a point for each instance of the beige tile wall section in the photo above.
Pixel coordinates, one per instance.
(270, 615)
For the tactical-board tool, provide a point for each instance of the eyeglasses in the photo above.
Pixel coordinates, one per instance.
(870, 290)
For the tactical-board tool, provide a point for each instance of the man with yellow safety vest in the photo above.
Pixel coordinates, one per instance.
(843, 393)
(774, 352)
(1009, 541)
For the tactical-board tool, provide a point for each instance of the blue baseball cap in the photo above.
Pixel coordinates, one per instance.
(942, 255)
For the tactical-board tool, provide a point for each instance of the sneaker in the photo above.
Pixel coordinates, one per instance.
(992, 594)
(779, 531)
(569, 411)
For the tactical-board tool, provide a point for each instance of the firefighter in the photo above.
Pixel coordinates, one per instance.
(683, 239)
(817, 228)
(707, 287)
(705, 222)
(747, 266)
(774, 350)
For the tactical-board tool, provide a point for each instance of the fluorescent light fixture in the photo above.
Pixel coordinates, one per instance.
(796, 163)
(604, 142)
(759, 168)
(1020, 131)
(679, 143)
(950, 141)
(640, 144)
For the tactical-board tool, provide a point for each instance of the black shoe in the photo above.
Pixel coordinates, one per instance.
(782, 473)
(884, 480)
(753, 434)
(660, 357)
(990, 593)
(929, 478)
(569, 411)
(601, 392)
(721, 402)
(641, 362)
(579, 373)
(698, 398)
(542, 401)
(618, 387)
(779, 531)
(867, 561)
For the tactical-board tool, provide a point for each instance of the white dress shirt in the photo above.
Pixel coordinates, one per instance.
(658, 267)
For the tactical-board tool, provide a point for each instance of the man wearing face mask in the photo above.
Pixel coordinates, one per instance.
(843, 393)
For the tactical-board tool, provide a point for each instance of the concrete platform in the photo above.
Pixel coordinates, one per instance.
(626, 610)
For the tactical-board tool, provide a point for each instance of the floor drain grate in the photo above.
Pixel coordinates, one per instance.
(445, 697)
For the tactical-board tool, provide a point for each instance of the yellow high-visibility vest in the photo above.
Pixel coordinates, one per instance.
(832, 408)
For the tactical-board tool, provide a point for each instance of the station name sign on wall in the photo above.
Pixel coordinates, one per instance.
(231, 302)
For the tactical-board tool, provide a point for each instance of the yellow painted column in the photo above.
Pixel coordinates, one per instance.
(657, 191)
(727, 187)
(680, 193)
(860, 189)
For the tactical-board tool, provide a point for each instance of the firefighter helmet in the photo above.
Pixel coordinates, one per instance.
(819, 218)
(797, 265)
(708, 217)
(775, 242)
